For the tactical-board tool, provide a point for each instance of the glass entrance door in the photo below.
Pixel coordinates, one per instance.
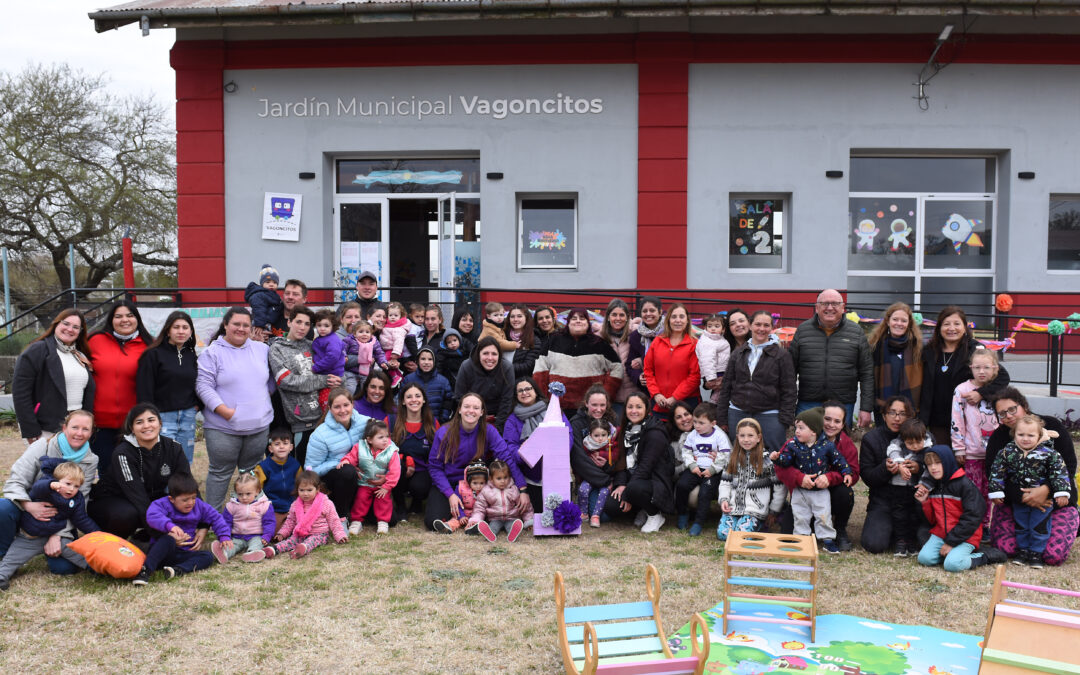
(447, 209)
(361, 225)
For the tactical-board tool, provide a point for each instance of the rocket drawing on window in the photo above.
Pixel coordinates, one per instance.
(899, 236)
(866, 232)
(960, 230)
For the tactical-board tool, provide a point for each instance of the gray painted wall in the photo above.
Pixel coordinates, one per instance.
(779, 127)
(594, 155)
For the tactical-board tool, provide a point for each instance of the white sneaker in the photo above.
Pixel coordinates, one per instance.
(383, 527)
(640, 518)
(653, 523)
(355, 527)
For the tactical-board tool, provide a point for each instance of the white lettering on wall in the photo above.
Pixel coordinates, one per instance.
(419, 108)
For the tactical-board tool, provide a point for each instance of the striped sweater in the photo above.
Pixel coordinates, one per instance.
(749, 493)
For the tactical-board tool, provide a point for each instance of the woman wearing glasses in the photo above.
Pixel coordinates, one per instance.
(877, 472)
(529, 409)
(1010, 405)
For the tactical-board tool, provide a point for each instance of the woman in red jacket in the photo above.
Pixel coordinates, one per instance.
(114, 352)
(671, 365)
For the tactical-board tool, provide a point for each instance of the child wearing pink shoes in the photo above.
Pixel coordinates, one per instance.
(498, 506)
(311, 522)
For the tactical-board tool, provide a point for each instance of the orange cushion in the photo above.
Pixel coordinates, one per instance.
(109, 554)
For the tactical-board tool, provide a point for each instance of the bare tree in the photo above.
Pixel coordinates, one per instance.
(79, 166)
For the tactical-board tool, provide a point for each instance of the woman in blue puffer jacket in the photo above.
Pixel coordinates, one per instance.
(339, 432)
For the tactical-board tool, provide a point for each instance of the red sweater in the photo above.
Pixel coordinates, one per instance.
(672, 371)
(114, 375)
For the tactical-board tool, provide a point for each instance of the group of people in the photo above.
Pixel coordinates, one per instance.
(374, 413)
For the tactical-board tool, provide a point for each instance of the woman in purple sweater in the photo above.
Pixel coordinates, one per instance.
(529, 409)
(373, 396)
(234, 384)
(464, 439)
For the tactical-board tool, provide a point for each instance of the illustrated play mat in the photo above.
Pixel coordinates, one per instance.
(845, 644)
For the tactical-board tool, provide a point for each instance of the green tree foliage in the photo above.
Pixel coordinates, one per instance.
(80, 166)
(869, 657)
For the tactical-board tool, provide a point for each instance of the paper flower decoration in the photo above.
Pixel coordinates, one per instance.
(1055, 327)
(557, 389)
(853, 317)
(567, 517)
(1004, 302)
(1074, 320)
(552, 501)
(917, 316)
(547, 519)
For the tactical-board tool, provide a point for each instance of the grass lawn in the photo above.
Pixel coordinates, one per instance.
(417, 602)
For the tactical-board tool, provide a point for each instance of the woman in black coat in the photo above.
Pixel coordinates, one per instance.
(876, 470)
(486, 373)
(945, 365)
(53, 376)
(645, 473)
(166, 378)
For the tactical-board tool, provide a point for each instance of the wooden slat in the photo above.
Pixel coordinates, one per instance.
(658, 667)
(613, 631)
(1039, 616)
(1024, 637)
(769, 619)
(772, 566)
(620, 648)
(595, 613)
(769, 601)
(770, 583)
(1030, 662)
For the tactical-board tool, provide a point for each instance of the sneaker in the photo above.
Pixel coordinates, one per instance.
(254, 556)
(355, 527)
(472, 528)
(218, 549)
(515, 530)
(5, 584)
(382, 528)
(1035, 560)
(978, 559)
(172, 572)
(901, 550)
(830, 546)
(843, 542)
(485, 530)
(684, 521)
(1021, 558)
(640, 518)
(594, 521)
(142, 578)
(299, 552)
(441, 527)
(695, 530)
(994, 556)
(653, 523)
(269, 552)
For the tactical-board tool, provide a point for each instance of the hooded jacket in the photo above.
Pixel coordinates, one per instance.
(247, 521)
(833, 365)
(955, 508)
(495, 386)
(141, 476)
(67, 508)
(27, 470)
(267, 309)
(291, 366)
(440, 395)
(448, 361)
(495, 504)
(328, 355)
(770, 387)
(166, 377)
(239, 377)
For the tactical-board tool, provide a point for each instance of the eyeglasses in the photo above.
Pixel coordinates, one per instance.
(830, 304)
(896, 413)
(525, 390)
(1007, 412)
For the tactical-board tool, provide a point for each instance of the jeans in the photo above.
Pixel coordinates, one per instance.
(958, 559)
(9, 525)
(103, 443)
(228, 452)
(1032, 527)
(179, 425)
(165, 552)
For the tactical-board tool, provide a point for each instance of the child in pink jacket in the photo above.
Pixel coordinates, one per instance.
(392, 336)
(972, 424)
(498, 506)
(311, 521)
(476, 477)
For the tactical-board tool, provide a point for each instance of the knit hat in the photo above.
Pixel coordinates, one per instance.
(813, 418)
(477, 468)
(268, 272)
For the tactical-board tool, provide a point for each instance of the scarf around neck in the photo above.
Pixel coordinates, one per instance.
(69, 453)
(649, 333)
(309, 514)
(531, 416)
(125, 338)
(71, 349)
(630, 442)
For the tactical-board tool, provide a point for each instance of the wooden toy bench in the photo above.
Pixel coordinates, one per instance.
(627, 629)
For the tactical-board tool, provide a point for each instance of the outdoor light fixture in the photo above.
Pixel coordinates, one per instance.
(230, 87)
(307, 175)
(932, 67)
(144, 23)
(495, 175)
(1026, 175)
(833, 173)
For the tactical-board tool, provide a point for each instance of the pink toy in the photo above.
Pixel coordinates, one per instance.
(551, 443)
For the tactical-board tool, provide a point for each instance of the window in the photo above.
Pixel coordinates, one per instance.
(405, 176)
(756, 232)
(1063, 246)
(547, 231)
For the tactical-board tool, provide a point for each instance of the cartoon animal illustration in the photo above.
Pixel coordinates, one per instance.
(793, 645)
(899, 236)
(934, 670)
(959, 230)
(738, 637)
(798, 616)
(900, 646)
(866, 231)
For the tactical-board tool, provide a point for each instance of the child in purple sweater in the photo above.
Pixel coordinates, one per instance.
(327, 350)
(175, 518)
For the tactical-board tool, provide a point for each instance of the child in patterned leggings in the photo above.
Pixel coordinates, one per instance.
(311, 522)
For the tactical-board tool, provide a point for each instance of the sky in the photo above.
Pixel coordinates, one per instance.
(59, 31)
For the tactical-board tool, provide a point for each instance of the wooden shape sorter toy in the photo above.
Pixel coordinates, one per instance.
(762, 551)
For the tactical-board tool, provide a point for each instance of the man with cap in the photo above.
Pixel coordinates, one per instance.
(815, 455)
(367, 293)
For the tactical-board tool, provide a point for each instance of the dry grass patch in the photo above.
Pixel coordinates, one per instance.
(412, 601)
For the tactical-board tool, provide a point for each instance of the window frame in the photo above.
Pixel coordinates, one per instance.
(786, 200)
(520, 198)
(1058, 196)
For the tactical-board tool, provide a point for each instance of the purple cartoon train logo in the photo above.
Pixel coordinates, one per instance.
(282, 207)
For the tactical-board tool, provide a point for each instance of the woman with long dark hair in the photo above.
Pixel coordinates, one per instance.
(578, 358)
(373, 397)
(529, 409)
(53, 376)
(651, 312)
(645, 472)
(114, 352)
(465, 323)
(166, 377)
(486, 373)
(897, 350)
(413, 430)
(616, 331)
(520, 329)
